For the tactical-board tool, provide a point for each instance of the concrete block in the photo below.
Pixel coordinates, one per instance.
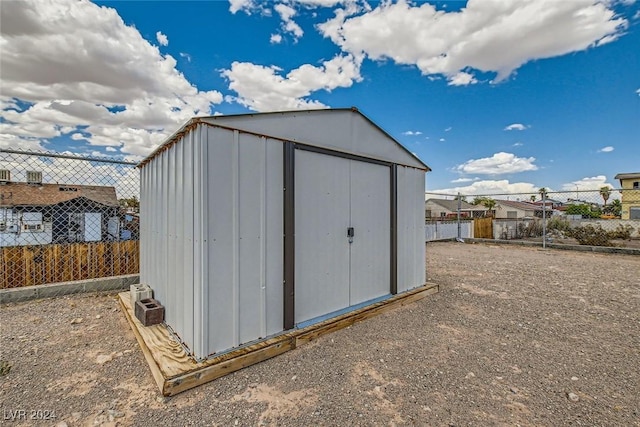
(139, 292)
(149, 312)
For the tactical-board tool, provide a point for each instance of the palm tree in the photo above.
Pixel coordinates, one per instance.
(543, 192)
(533, 197)
(489, 203)
(605, 192)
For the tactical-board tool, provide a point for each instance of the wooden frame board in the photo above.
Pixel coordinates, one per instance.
(175, 371)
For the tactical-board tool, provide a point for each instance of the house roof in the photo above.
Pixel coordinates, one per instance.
(305, 127)
(23, 194)
(452, 205)
(631, 175)
(525, 206)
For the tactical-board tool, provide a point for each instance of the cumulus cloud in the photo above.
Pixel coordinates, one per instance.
(162, 39)
(462, 79)
(498, 164)
(74, 63)
(412, 133)
(442, 140)
(489, 187)
(238, 5)
(460, 180)
(275, 38)
(516, 126)
(488, 36)
(288, 24)
(263, 88)
(606, 149)
(587, 184)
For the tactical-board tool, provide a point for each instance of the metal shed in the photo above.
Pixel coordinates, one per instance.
(256, 224)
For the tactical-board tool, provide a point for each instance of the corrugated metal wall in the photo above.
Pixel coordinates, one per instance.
(212, 229)
(411, 245)
(212, 246)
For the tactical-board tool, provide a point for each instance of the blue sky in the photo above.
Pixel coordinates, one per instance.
(494, 96)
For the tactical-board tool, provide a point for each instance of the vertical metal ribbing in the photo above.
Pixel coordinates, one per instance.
(289, 235)
(393, 271)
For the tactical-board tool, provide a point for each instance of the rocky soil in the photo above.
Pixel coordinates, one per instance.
(517, 336)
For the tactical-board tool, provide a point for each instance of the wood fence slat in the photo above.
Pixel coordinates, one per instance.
(36, 265)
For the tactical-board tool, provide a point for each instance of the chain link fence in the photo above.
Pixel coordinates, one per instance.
(67, 218)
(604, 217)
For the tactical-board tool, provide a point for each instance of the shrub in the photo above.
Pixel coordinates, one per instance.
(558, 224)
(590, 235)
(622, 232)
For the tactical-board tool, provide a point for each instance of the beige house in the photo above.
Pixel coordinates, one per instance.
(511, 209)
(448, 209)
(630, 183)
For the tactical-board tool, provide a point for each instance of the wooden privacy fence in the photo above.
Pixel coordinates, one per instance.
(36, 265)
(483, 228)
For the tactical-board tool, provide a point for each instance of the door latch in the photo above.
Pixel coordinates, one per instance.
(350, 234)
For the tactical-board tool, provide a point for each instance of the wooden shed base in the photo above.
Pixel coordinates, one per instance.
(175, 371)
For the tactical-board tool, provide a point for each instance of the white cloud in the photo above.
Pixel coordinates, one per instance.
(262, 88)
(74, 63)
(412, 133)
(460, 180)
(489, 187)
(462, 79)
(516, 126)
(606, 149)
(185, 56)
(288, 25)
(442, 140)
(237, 5)
(162, 39)
(518, 144)
(276, 38)
(489, 36)
(499, 163)
(593, 183)
(448, 129)
(638, 91)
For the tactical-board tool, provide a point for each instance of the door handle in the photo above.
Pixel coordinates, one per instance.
(350, 234)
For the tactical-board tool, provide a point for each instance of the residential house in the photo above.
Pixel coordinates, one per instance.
(630, 183)
(33, 213)
(511, 209)
(448, 209)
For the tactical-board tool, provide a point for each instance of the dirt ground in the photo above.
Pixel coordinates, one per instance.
(517, 336)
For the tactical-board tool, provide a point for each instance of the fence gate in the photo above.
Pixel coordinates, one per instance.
(483, 228)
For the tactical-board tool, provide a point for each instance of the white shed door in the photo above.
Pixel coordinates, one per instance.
(333, 194)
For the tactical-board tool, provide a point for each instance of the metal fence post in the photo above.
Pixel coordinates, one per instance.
(544, 220)
(459, 208)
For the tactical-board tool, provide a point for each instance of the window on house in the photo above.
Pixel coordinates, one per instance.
(443, 214)
(636, 184)
(32, 227)
(512, 214)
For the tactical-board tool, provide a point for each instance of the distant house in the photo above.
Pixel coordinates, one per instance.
(448, 209)
(511, 209)
(630, 183)
(33, 213)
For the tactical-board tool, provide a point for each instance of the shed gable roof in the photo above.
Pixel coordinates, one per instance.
(23, 194)
(346, 130)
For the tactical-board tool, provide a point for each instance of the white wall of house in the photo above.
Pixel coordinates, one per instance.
(43, 236)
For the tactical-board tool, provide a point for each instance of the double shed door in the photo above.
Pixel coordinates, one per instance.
(332, 270)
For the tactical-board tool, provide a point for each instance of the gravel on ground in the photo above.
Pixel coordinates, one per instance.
(517, 336)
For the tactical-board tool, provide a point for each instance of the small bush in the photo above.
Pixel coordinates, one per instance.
(558, 224)
(622, 232)
(590, 235)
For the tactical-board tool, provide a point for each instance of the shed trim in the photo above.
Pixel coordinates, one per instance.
(194, 122)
